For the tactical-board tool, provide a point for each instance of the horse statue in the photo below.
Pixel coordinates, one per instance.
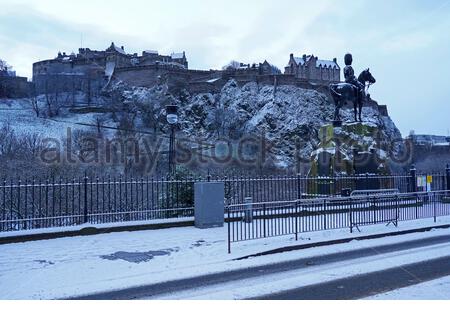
(346, 93)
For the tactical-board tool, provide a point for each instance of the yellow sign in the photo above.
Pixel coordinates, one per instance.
(429, 179)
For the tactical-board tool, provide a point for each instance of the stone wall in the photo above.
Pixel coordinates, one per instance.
(175, 78)
(70, 84)
(15, 87)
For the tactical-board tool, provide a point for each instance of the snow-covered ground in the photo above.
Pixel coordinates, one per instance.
(80, 265)
(438, 289)
(19, 114)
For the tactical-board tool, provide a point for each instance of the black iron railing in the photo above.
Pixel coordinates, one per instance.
(251, 221)
(37, 203)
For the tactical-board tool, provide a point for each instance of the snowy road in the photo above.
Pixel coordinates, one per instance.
(253, 282)
(372, 283)
(79, 266)
(438, 289)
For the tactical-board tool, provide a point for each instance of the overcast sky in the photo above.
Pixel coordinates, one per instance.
(406, 43)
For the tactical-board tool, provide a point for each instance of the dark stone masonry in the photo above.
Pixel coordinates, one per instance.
(90, 71)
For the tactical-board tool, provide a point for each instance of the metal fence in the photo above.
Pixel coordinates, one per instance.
(289, 188)
(33, 203)
(270, 219)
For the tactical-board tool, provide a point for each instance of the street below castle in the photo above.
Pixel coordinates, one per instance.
(398, 265)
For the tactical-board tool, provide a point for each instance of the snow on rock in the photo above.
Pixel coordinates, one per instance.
(287, 116)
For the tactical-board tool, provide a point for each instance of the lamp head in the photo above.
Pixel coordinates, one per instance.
(172, 116)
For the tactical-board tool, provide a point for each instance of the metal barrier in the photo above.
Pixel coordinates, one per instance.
(374, 192)
(272, 219)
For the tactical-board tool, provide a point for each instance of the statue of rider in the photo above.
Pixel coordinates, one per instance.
(349, 74)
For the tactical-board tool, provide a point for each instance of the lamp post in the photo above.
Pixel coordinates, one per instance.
(172, 119)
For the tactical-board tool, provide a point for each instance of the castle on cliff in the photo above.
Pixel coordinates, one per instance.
(91, 71)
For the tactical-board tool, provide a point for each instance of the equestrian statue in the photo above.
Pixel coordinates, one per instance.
(352, 91)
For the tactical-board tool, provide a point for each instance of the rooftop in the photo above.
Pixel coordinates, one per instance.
(319, 63)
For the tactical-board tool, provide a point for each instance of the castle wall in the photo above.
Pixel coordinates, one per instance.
(59, 84)
(50, 67)
(15, 87)
(176, 78)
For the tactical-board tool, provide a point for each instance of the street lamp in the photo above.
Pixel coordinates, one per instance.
(172, 119)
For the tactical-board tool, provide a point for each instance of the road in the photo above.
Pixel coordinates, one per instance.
(368, 284)
(354, 287)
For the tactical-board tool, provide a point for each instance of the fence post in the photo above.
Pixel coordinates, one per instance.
(447, 174)
(229, 228)
(264, 220)
(367, 181)
(299, 189)
(350, 209)
(248, 212)
(397, 209)
(85, 199)
(413, 182)
(433, 196)
(325, 214)
(296, 220)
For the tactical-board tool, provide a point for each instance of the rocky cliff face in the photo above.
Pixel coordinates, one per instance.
(288, 117)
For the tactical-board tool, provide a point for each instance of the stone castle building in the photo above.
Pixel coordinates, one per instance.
(311, 68)
(87, 59)
(90, 71)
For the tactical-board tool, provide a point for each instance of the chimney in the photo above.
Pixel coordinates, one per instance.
(304, 57)
(122, 48)
(334, 60)
(292, 56)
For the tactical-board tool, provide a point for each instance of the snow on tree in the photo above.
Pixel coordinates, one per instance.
(232, 65)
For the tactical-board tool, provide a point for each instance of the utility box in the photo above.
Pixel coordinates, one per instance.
(209, 204)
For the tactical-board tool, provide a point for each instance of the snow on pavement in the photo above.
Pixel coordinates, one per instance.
(68, 267)
(438, 289)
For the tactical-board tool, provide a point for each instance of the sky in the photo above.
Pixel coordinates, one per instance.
(406, 43)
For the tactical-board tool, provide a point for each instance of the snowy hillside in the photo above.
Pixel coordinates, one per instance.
(287, 117)
(20, 116)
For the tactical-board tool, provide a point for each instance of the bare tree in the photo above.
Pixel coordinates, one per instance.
(34, 102)
(53, 97)
(7, 140)
(3, 66)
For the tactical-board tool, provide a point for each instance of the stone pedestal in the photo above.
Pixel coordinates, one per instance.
(349, 148)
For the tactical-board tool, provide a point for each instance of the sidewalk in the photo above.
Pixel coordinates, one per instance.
(66, 267)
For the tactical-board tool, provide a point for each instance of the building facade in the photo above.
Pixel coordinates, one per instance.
(313, 69)
(90, 70)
